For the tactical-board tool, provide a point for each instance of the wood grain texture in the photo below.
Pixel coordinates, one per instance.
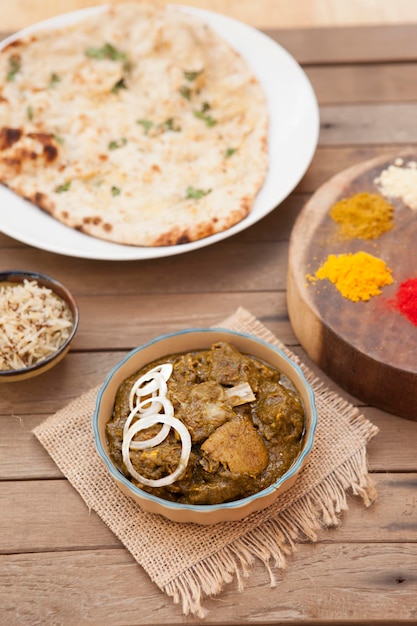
(59, 564)
(69, 525)
(331, 583)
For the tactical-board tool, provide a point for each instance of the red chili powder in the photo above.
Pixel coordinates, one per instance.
(405, 300)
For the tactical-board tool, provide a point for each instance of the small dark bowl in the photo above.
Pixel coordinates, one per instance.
(18, 276)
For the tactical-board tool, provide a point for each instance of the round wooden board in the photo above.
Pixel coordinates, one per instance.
(368, 348)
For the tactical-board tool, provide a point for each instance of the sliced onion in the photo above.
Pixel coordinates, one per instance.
(152, 388)
(153, 405)
(144, 423)
(150, 383)
(155, 386)
(163, 433)
(165, 369)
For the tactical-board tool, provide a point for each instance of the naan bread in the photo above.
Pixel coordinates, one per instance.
(138, 125)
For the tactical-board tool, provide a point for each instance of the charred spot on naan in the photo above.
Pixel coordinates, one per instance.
(42, 201)
(50, 150)
(20, 149)
(94, 225)
(178, 236)
(9, 136)
(94, 219)
(15, 44)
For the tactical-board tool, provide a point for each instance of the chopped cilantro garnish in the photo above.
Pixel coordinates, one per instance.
(29, 113)
(147, 125)
(210, 121)
(202, 115)
(58, 139)
(115, 191)
(170, 124)
(192, 75)
(192, 192)
(185, 92)
(54, 80)
(121, 84)
(63, 187)
(14, 67)
(119, 143)
(107, 51)
(229, 152)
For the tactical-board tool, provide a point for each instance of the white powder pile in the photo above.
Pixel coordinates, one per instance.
(399, 180)
(34, 323)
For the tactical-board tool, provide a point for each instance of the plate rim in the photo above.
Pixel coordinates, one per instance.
(110, 251)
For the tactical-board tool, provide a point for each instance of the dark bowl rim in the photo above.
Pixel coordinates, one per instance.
(292, 470)
(9, 276)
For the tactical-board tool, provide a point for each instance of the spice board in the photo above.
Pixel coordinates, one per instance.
(369, 348)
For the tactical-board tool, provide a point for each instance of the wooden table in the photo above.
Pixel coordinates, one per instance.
(58, 560)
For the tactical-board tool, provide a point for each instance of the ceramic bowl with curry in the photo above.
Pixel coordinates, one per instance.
(205, 425)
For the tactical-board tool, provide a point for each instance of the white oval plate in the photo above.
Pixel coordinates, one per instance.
(293, 136)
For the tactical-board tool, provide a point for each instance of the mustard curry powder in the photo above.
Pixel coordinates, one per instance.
(358, 276)
(363, 216)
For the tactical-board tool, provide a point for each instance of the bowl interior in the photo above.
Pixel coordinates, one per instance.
(17, 276)
(185, 341)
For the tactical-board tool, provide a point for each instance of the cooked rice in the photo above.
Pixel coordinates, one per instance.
(34, 323)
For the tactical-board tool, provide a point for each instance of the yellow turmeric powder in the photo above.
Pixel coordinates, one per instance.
(363, 216)
(357, 276)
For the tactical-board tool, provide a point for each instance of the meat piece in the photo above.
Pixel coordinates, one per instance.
(280, 412)
(204, 409)
(225, 364)
(238, 446)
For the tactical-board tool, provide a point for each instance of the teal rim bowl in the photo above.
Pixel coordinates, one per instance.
(184, 341)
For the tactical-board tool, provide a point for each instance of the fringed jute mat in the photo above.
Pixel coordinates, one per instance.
(189, 562)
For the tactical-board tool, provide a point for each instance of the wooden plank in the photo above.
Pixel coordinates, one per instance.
(344, 84)
(390, 450)
(363, 44)
(174, 312)
(66, 525)
(54, 389)
(70, 525)
(368, 124)
(322, 584)
(239, 266)
(17, 443)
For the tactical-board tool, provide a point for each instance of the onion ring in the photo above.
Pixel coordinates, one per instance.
(144, 423)
(163, 433)
(156, 382)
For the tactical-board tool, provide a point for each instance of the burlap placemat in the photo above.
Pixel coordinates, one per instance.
(187, 561)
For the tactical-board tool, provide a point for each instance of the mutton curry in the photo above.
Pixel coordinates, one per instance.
(242, 420)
